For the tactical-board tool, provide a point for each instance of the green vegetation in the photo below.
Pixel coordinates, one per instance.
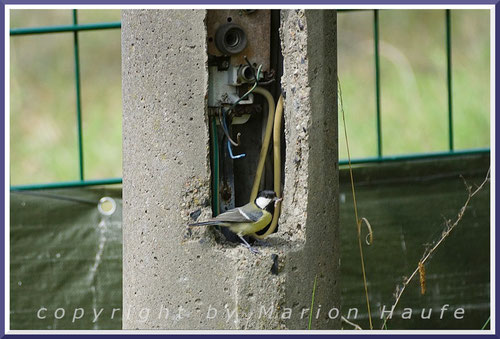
(413, 86)
(414, 109)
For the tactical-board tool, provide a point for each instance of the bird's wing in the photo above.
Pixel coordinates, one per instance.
(240, 215)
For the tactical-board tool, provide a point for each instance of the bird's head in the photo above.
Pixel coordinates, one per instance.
(265, 198)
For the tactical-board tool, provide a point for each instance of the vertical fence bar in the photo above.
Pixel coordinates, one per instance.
(377, 80)
(448, 66)
(78, 96)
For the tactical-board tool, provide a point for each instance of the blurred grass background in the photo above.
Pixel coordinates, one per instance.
(43, 140)
(414, 106)
(43, 99)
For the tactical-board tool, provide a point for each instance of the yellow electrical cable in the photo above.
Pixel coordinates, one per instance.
(277, 167)
(265, 142)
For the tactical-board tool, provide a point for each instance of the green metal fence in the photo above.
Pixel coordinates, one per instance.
(451, 150)
(75, 28)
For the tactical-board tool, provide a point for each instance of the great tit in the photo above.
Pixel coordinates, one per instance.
(247, 219)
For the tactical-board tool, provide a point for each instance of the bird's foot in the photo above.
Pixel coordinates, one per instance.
(247, 245)
(251, 249)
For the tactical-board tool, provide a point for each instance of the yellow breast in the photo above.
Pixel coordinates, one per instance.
(249, 228)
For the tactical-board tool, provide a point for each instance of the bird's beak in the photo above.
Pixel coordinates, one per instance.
(276, 201)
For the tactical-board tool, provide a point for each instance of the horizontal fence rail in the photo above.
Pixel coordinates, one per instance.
(67, 184)
(415, 156)
(76, 27)
(65, 28)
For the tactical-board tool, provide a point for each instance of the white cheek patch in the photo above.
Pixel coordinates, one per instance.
(262, 202)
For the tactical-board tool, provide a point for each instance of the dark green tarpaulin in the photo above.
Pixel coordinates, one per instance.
(66, 255)
(66, 260)
(406, 204)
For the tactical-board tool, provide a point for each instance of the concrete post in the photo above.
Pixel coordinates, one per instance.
(176, 278)
(310, 220)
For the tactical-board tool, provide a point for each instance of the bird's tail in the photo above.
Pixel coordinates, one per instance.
(205, 223)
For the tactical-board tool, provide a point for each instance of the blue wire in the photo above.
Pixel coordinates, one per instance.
(231, 152)
(224, 125)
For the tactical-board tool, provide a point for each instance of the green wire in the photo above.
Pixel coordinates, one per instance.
(249, 91)
(215, 193)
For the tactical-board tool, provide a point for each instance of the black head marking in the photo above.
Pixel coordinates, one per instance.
(267, 194)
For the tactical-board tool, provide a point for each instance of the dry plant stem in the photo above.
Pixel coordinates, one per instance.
(356, 327)
(428, 253)
(421, 271)
(358, 221)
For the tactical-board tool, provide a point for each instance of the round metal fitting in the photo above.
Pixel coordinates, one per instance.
(230, 39)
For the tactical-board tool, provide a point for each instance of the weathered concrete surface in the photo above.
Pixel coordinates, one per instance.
(204, 282)
(166, 176)
(310, 219)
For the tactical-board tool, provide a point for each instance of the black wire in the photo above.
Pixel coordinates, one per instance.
(253, 70)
